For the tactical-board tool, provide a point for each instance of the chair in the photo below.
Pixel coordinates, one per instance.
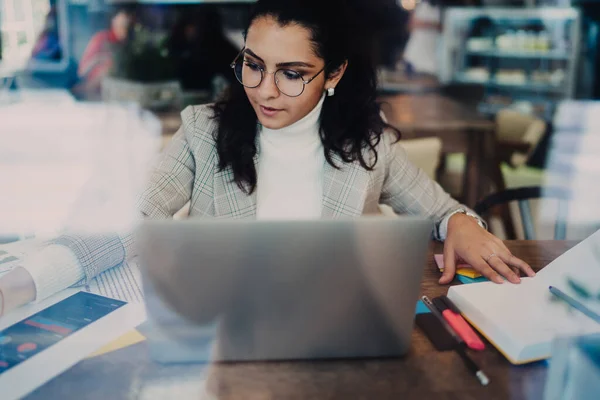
(425, 153)
(518, 136)
(523, 195)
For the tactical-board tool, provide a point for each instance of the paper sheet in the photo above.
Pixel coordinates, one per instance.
(581, 264)
(8, 260)
(12, 253)
(122, 283)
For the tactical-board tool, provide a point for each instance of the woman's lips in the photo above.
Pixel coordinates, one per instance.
(268, 111)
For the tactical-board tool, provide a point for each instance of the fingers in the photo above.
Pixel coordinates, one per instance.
(485, 269)
(486, 253)
(514, 262)
(520, 264)
(509, 266)
(503, 269)
(511, 260)
(449, 265)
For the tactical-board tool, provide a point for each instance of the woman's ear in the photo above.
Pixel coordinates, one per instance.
(335, 76)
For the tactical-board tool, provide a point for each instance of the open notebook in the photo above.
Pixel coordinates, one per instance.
(522, 320)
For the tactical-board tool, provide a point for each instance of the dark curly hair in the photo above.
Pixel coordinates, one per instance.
(350, 123)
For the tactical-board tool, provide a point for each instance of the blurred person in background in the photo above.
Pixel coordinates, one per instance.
(300, 136)
(98, 57)
(425, 26)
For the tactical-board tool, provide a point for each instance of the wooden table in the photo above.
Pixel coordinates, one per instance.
(397, 82)
(460, 128)
(423, 374)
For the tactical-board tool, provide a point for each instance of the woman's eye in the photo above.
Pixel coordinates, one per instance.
(252, 66)
(291, 75)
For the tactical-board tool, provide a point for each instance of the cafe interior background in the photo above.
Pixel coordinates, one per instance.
(490, 96)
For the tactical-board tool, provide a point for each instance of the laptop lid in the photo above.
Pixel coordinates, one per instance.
(276, 290)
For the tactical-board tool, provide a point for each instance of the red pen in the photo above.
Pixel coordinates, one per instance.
(452, 315)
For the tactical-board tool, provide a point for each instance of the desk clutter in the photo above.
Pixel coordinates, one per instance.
(502, 376)
(44, 339)
(522, 320)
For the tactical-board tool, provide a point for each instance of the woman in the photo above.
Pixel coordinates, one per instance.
(301, 137)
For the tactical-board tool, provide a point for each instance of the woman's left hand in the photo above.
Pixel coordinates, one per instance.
(469, 242)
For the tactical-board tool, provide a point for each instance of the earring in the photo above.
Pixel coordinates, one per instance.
(330, 91)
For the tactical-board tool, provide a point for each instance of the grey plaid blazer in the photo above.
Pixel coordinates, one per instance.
(188, 171)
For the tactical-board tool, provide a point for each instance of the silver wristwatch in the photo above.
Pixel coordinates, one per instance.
(470, 214)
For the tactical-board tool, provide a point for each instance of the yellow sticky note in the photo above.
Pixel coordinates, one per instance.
(468, 272)
(128, 339)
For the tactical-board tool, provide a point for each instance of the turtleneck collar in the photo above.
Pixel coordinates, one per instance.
(306, 129)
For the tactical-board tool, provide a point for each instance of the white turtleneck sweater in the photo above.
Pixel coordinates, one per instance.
(290, 170)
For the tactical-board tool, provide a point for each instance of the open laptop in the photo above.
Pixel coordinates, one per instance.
(280, 290)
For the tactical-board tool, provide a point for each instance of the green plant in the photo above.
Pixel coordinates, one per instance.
(144, 57)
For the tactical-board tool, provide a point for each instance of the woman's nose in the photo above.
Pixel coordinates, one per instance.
(268, 88)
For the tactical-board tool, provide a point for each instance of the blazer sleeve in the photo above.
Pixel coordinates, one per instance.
(408, 190)
(169, 188)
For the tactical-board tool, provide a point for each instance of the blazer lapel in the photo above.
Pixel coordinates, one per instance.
(230, 200)
(344, 189)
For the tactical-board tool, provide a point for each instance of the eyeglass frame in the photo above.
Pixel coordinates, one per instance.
(264, 70)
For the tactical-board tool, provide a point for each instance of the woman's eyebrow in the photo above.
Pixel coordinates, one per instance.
(282, 65)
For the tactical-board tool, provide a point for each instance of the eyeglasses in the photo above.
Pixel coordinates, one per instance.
(250, 74)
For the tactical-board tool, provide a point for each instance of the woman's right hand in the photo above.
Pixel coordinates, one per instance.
(16, 289)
